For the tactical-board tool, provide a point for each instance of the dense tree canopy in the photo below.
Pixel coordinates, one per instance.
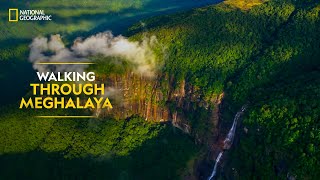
(100, 148)
(266, 55)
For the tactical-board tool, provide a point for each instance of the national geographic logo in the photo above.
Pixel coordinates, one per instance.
(13, 15)
(16, 15)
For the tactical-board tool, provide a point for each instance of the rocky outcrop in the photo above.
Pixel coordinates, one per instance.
(215, 119)
(160, 100)
(164, 100)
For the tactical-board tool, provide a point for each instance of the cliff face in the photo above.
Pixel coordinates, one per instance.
(158, 100)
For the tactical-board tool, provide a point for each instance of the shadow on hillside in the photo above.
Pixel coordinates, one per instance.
(160, 158)
(15, 78)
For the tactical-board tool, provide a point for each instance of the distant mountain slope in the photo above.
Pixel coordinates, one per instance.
(244, 4)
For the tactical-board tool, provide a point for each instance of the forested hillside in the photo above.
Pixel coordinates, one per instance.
(90, 149)
(283, 134)
(209, 46)
(264, 54)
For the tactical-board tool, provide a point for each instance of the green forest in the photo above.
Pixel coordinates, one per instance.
(268, 57)
(265, 54)
(94, 149)
(283, 131)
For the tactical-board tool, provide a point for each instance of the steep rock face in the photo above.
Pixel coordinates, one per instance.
(159, 100)
(215, 119)
(135, 95)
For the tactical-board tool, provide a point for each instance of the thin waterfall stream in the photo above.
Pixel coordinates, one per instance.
(227, 143)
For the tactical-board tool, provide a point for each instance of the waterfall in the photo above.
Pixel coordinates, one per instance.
(215, 166)
(229, 139)
(227, 143)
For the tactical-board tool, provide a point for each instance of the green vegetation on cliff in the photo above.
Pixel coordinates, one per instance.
(209, 46)
(96, 148)
(283, 131)
(268, 56)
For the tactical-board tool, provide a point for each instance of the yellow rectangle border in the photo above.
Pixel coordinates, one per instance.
(17, 18)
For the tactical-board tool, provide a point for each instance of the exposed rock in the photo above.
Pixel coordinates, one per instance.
(157, 100)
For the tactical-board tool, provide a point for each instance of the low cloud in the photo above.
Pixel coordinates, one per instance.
(53, 49)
